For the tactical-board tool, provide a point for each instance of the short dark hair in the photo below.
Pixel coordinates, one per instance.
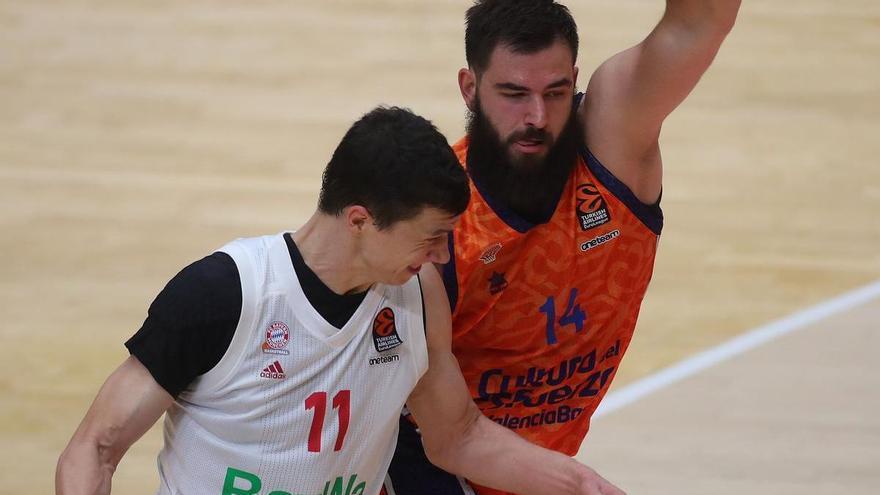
(394, 163)
(527, 26)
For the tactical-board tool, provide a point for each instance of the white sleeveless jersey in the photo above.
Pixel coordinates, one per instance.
(296, 406)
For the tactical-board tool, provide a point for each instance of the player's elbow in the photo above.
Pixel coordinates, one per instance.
(709, 19)
(441, 453)
(451, 448)
(721, 15)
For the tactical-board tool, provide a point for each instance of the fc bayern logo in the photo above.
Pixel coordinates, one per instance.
(277, 337)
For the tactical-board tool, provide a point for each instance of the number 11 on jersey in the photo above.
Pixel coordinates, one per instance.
(342, 406)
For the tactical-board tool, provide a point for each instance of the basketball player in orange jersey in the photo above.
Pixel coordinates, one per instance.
(555, 251)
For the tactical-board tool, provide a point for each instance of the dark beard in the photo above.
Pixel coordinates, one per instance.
(531, 188)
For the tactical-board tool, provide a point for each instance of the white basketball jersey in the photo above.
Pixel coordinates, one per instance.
(296, 406)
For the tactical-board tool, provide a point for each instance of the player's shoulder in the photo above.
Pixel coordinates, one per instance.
(250, 244)
(433, 292)
(438, 314)
(430, 283)
(217, 270)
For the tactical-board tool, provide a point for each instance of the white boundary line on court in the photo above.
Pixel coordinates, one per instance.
(738, 345)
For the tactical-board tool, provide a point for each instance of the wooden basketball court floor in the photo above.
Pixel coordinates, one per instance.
(136, 137)
(788, 408)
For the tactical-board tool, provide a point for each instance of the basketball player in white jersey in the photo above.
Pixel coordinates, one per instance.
(282, 362)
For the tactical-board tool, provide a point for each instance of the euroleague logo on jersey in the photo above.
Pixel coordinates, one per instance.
(591, 207)
(277, 337)
(385, 334)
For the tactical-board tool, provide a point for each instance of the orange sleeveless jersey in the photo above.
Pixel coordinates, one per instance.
(542, 314)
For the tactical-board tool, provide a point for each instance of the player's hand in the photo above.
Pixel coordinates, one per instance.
(593, 484)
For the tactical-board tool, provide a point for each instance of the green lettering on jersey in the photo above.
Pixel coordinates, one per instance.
(232, 475)
(337, 486)
(350, 482)
(236, 476)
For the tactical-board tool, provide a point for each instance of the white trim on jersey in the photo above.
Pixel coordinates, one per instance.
(465, 487)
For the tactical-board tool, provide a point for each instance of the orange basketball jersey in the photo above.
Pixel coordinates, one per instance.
(542, 314)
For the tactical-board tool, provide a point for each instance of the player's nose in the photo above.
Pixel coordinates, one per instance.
(439, 252)
(536, 113)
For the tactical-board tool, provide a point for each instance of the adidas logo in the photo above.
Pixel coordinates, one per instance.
(273, 371)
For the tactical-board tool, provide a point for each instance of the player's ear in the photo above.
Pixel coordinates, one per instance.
(357, 217)
(467, 84)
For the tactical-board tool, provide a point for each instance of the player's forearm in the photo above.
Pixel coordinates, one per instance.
(716, 15)
(129, 402)
(84, 468)
(494, 456)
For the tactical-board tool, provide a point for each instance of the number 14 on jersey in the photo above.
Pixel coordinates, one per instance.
(573, 315)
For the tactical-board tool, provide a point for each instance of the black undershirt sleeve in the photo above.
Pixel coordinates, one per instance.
(191, 323)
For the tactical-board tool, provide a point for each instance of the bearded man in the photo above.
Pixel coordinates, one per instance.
(555, 251)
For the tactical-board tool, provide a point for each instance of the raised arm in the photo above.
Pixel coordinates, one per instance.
(458, 438)
(630, 95)
(127, 405)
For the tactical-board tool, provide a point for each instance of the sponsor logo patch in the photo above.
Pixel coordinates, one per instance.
(599, 240)
(576, 381)
(273, 371)
(490, 253)
(384, 359)
(385, 334)
(591, 207)
(277, 337)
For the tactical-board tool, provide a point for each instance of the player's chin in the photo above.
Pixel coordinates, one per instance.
(412, 270)
(404, 275)
(525, 161)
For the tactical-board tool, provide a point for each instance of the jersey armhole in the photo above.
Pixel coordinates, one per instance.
(223, 371)
(424, 312)
(450, 280)
(650, 215)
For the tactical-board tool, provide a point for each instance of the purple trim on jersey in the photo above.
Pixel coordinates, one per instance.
(450, 279)
(510, 217)
(650, 215)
